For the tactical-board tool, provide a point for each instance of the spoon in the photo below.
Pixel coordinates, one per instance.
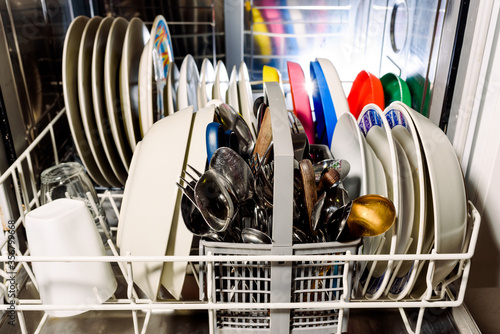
(253, 236)
(215, 198)
(371, 215)
(235, 169)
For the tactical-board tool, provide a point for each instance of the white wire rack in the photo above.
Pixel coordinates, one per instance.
(443, 296)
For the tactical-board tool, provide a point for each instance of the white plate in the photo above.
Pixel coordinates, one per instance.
(136, 37)
(172, 84)
(232, 91)
(179, 242)
(221, 82)
(146, 98)
(153, 66)
(335, 86)
(404, 131)
(112, 59)
(379, 138)
(101, 115)
(206, 83)
(188, 84)
(449, 198)
(246, 99)
(347, 143)
(375, 184)
(70, 90)
(151, 197)
(86, 104)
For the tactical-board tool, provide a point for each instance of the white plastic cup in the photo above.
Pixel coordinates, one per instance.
(65, 227)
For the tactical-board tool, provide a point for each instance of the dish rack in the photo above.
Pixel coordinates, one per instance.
(263, 282)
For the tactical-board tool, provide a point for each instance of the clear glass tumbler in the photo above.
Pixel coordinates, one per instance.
(69, 180)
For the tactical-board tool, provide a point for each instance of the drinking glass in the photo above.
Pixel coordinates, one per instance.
(69, 180)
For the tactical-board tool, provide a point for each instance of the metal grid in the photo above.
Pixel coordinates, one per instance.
(251, 282)
(304, 311)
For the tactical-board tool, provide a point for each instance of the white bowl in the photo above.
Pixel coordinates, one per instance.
(65, 227)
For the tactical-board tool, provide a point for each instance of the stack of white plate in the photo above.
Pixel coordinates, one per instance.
(118, 79)
(422, 176)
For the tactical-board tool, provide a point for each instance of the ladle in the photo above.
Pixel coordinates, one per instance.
(370, 215)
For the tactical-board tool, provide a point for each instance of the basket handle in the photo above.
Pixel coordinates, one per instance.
(283, 164)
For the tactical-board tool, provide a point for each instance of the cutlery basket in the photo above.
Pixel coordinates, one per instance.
(265, 281)
(271, 281)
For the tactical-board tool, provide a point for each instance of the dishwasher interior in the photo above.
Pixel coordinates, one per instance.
(404, 37)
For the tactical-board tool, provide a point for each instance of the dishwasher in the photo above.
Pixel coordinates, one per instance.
(162, 259)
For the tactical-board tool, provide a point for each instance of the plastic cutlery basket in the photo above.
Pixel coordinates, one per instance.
(231, 283)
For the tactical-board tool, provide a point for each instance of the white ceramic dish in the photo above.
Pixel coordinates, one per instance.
(404, 131)
(112, 59)
(151, 197)
(404, 184)
(136, 37)
(188, 84)
(380, 140)
(347, 143)
(232, 91)
(246, 99)
(65, 227)
(449, 198)
(153, 66)
(100, 112)
(133, 164)
(375, 184)
(179, 242)
(146, 94)
(86, 104)
(335, 86)
(70, 90)
(172, 84)
(206, 83)
(221, 83)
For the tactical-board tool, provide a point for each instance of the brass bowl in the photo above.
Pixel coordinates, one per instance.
(371, 215)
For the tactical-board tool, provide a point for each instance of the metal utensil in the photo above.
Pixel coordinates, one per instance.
(370, 215)
(253, 236)
(323, 166)
(216, 198)
(235, 169)
(328, 203)
(231, 120)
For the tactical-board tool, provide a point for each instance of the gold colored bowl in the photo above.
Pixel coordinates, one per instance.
(371, 215)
